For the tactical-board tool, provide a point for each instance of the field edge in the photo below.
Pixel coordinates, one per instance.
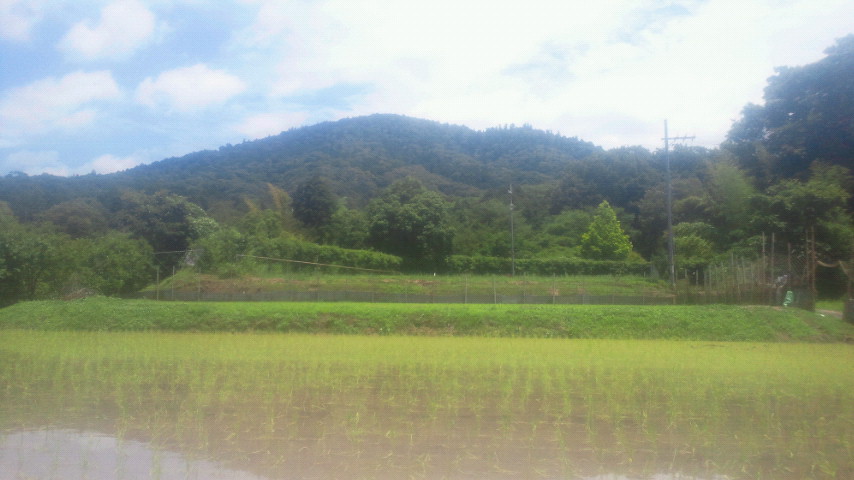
(708, 323)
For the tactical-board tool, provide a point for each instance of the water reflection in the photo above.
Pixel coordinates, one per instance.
(72, 455)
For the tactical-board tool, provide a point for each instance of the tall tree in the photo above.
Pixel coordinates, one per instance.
(114, 263)
(347, 228)
(808, 115)
(78, 218)
(412, 222)
(605, 238)
(30, 260)
(314, 203)
(792, 207)
(167, 222)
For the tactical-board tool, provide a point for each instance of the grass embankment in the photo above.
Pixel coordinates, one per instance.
(632, 285)
(714, 323)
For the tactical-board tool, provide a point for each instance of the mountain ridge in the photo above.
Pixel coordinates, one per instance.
(358, 156)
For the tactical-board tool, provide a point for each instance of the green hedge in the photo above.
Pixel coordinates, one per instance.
(545, 266)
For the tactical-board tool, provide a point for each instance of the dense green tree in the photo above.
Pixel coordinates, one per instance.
(694, 247)
(605, 238)
(81, 217)
(271, 216)
(728, 196)
(621, 176)
(167, 222)
(482, 226)
(651, 221)
(30, 260)
(347, 228)
(792, 207)
(262, 224)
(574, 192)
(114, 264)
(808, 115)
(314, 203)
(561, 236)
(411, 222)
(280, 203)
(219, 252)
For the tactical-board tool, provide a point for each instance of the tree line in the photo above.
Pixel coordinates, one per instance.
(399, 193)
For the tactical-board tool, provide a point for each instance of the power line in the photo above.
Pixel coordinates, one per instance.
(512, 236)
(317, 264)
(671, 249)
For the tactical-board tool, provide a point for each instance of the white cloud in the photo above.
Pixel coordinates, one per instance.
(123, 27)
(54, 103)
(17, 18)
(607, 72)
(189, 88)
(38, 162)
(266, 124)
(34, 163)
(570, 66)
(110, 163)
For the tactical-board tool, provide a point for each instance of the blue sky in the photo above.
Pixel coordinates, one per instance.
(105, 85)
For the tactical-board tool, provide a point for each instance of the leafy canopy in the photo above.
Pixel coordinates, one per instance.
(412, 222)
(605, 238)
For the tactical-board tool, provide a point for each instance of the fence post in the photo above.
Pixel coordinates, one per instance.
(773, 280)
(707, 276)
(734, 266)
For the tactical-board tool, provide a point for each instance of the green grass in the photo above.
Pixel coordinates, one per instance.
(831, 305)
(318, 406)
(714, 322)
(189, 281)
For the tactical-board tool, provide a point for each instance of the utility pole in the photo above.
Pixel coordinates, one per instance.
(512, 237)
(671, 249)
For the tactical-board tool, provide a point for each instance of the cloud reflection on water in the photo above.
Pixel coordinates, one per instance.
(71, 454)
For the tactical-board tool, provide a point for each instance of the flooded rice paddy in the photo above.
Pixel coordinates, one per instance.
(211, 406)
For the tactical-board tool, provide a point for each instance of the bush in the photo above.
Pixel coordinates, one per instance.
(289, 248)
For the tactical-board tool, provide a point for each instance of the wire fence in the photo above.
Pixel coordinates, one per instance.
(777, 276)
(749, 282)
(475, 289)
(783, 275)
(385, 297)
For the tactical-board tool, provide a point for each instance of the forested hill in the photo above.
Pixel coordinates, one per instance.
(357, 157)
(435, 196)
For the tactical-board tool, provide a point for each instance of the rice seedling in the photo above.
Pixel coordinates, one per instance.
(285, 406)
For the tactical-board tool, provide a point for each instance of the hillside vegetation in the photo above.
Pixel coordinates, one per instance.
(388, 192)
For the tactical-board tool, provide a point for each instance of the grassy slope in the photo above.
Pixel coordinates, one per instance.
(713, 323)
(188, 282)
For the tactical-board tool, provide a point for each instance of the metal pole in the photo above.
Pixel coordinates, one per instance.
(512, 237)
(670, 243)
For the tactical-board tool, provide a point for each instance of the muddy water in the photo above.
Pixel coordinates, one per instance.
(65, 454)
